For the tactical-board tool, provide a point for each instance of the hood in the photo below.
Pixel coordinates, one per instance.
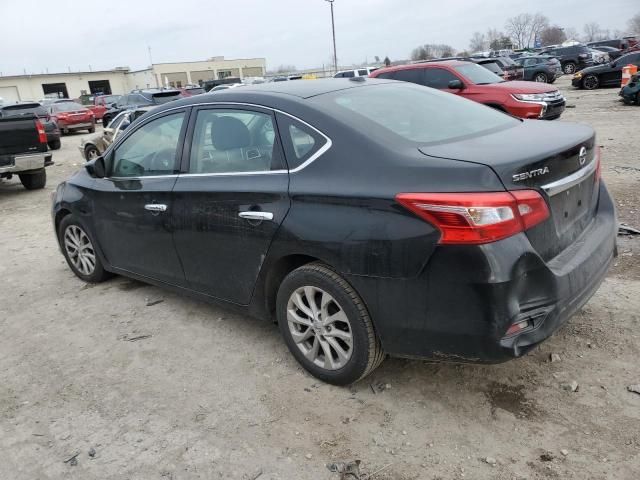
(603, 68)
(519, 86)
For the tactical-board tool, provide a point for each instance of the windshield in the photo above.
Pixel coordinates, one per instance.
(478, 75)
(417, 114)
(67, 107)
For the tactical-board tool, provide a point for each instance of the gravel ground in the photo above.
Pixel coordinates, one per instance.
(95, 384)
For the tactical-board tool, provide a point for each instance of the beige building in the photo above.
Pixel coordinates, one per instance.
(122, 80)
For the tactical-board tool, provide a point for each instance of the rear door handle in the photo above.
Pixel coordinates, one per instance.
(155, 207)
(250, 215)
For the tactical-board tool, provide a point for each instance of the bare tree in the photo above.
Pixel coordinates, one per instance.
(592, 32)
(634, 24)
(553, 35)
(518, 28)
(538, 23)
(525, 28)
(431, 50)
(571, 33)
(478, 42)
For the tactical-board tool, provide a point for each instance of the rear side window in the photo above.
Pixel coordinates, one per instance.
(413, 75)
(387, 75)
(234, 141)
(348, 74)
(363, 73)
(301, 142)
(438, 77)
(412, 113)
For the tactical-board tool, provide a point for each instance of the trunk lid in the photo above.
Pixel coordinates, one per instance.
(19, 135)
(558, 160)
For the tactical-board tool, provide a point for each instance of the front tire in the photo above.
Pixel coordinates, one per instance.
(569, 68)
(590, 82)
(326, 325)
(34, 181)
(79, 252)
(91, 152)
(541, 77)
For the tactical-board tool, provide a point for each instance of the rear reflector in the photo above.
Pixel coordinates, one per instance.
(42, 135)
(517, 327)
(477, 218)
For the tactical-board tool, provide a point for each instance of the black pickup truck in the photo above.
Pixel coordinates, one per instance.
(23, 151)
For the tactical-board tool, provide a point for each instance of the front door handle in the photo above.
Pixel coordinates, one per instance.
(251, 215)
(155, 207)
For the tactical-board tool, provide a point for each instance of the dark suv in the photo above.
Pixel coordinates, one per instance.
(140, 98)
(540, 68)
(572, 59)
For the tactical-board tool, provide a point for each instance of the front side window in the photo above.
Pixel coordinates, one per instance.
(150, 150)
(529, 62)
(477, 74)
(409, 113)
(363, 72)
(438, 78)
(349, 74)
(234, 141)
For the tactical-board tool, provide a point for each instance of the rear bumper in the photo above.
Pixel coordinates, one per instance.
(75, 125)
(465, 300)
(25, 163)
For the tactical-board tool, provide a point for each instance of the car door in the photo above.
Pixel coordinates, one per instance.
(133, 203)
(230, 200)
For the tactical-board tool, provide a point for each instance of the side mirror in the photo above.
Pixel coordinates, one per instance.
(456, 85)
(96, 167)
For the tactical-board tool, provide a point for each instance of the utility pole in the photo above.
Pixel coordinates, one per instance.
(150, 58)
(333, 29)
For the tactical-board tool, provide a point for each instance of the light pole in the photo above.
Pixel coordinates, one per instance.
(333, 29)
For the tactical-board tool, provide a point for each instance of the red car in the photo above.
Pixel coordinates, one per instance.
(71, 116)
(469, 80)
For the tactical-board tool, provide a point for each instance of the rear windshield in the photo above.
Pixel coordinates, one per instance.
(415, 113)
(478, 75)
(67, 107)
(19, 110)
(492, 67)
(164, 97)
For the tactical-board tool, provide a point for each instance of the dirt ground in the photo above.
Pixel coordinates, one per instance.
(184, 390)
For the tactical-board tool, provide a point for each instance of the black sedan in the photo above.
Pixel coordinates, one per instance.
(605, 75)
(367, 217)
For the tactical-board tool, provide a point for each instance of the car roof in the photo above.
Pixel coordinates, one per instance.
(429, 63)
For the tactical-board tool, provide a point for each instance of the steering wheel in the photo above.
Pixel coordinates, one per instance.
(162, 160)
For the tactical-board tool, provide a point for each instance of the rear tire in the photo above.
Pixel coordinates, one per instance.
(590, 82)
(34, 181)
(569, 68)
(79, 251)
(335, 339)
(55, 144)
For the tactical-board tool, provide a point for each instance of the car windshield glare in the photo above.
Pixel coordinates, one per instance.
(416, 113)
(478, 75)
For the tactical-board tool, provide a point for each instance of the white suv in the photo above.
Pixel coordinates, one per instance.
(358, 72)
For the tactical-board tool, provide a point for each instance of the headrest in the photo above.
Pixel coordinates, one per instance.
(228, 133)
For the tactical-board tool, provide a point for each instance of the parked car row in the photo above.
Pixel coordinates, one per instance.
(606, 75)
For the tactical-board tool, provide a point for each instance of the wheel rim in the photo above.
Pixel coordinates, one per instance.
(569, 68)
(541, 78)
(92, 153)
(320, 328)
(590, 82)
(79, 249)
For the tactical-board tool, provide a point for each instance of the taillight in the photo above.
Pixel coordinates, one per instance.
(42, 135)
(477, 218)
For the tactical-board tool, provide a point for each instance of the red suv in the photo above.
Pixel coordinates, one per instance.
(469, 80)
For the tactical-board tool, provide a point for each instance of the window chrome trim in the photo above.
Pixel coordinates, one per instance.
(321, 151)
(569, 181)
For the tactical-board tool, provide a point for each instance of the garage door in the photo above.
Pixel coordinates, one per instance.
(9, 94)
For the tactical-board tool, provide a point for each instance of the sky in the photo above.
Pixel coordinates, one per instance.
(58, 35)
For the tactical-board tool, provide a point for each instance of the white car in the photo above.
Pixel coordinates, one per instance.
(358, 72)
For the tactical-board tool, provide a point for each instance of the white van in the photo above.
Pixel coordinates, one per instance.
(358, 72)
